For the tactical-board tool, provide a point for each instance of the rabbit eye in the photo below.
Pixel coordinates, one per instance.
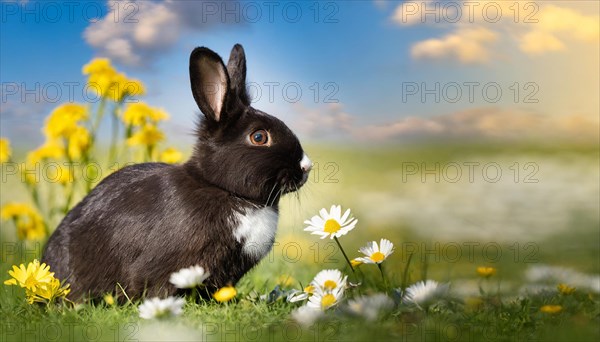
(259, 137)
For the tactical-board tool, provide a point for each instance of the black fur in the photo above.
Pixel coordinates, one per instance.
(146, 221)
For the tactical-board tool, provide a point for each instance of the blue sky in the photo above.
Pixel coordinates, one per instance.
(364, 51)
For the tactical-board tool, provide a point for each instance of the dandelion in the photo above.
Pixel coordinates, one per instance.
(30, 277)
(225, 294)
(423, 294)
(139, 113)
(565, 289)
(109, 299)
(324, 299)
(48, 292)
(161, 308)
(306, 315)
(370, 307)
(171, 156)
(187, 278)
(30, 224)
(148, 135)
(329, 280)
(5, 151)
(486, 272)
(376, 254)
(551, 309)
(331, 224)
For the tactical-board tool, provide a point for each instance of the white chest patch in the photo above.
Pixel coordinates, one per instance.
(256, 230)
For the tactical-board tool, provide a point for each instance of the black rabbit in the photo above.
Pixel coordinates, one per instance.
(219, 210)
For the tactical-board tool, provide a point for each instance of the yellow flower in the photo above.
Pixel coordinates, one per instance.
(98, 66)
(11, 210)
(109, 299)
(78, 143)
(486, 272)
(30, 277)
(355, 262)
(51, 149)
(565, 289)
(309, 289)
(30, 224)
(225, 294)
(108, 83)
(148, 135)
(63, 121)
(138, 114)
(551, 309)
(286, 280)
(171, 156)
(5, 151)
(47, 292)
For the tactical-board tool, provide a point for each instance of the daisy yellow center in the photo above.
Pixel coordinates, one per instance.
(327, 300)
(330, 284)
(377, 256)
(309, 289)
(331, 226)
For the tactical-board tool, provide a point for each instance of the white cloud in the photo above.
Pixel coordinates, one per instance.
(477, 31)
(466, 45)
(332, 122)
(136, 34)
(555, 21)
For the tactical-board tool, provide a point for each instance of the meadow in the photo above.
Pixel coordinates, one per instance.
(509, 231)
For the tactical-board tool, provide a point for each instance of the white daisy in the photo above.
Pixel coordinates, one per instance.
(423, 294)
(370, 307)
(306, 315)
(187, 278)
(331, 224)
(158, 308)
(329, 280)
(324, 299)
(376, 254)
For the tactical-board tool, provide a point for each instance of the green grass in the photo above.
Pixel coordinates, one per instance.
(502, 313)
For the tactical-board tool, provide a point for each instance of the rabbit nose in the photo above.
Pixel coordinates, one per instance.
(305, 164)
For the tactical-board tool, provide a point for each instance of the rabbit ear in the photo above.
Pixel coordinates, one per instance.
(210, 82)
(237, 72)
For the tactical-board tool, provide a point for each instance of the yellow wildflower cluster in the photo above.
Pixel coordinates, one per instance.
(5, 151)
(565, 289)
(104, 79)
(40, 284)
(171, 156)
(147, 135)
(139, 114)
(29, 223)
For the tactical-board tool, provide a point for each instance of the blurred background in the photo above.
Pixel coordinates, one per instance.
(437, 123)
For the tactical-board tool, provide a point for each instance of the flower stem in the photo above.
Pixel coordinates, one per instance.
(385, 284)
(112, 154)
(344, 253)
